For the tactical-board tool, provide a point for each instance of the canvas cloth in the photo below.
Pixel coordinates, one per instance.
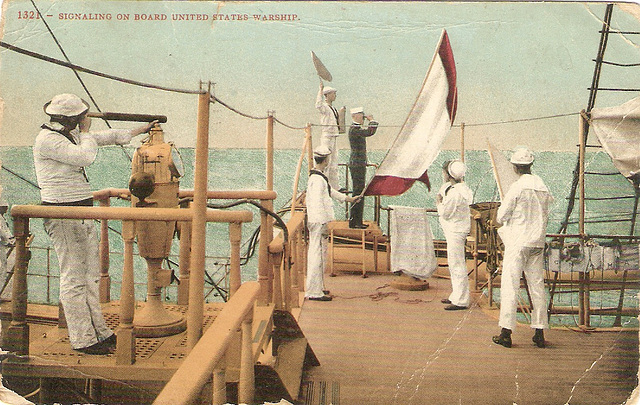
(412, 249)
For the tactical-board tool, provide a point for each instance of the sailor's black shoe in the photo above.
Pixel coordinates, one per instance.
(454, 307)
(445, 301)
(110, 341)
(504, 338)
(538, 338)
(97, 348)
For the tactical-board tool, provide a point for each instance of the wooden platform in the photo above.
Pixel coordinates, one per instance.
(377, 345)
(157, 359)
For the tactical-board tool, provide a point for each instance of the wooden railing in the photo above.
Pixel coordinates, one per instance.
(288, 259)
(207, 358)
(17, 336)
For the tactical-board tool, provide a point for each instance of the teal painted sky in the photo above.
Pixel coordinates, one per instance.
(514, 61)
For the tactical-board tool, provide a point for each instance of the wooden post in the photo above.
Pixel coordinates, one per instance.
(295, 268)
(126, 342)
(185, 259)
(581, 156)
(219, 385)
(270, 150)
(582, 295)
(286, 277)
(246, 385)
(302, 257)
(17, 337)
(296, 177)
(235, 236)
(265, 276)
(276, 262)
(105, 278)
(199, 225)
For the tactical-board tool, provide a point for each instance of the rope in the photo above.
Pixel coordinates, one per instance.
(21, 177)
(76, 73)
(520, 120)
(78, 68)
(93, 72)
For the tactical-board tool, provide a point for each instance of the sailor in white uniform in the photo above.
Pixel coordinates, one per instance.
(452, 202)
(523, 214)
(62, 150)
(330, 131)
(319, 214)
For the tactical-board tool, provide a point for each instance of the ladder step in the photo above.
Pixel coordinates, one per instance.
(289, 364)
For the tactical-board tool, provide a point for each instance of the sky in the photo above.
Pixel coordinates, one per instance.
(514, 61)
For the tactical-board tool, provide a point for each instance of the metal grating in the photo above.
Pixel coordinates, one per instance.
(321, 393)
(144, 348)
(207, 321)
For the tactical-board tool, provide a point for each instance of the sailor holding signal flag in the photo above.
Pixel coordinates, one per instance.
(63, 148)
(523, 213)
(319, 214)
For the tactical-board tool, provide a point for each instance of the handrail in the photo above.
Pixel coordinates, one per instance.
(125, 213)
(196, 369)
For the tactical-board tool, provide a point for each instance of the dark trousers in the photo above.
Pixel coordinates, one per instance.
(358, 174)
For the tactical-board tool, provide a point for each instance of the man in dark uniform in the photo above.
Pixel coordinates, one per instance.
(358, 134)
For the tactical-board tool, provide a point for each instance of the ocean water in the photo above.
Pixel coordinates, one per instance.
(233, 169)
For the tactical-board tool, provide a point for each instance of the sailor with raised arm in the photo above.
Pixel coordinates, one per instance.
(523, 213)
(329, 119)
(358, 134)
(62, 150)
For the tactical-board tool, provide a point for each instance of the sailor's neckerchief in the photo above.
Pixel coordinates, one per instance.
(61, 129)
(335, 112)
(324, 176)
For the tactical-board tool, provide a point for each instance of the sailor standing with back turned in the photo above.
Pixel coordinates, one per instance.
(63, 148)
(523, 213)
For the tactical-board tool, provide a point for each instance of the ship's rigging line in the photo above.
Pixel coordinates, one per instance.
(79, 68)
(84, 86)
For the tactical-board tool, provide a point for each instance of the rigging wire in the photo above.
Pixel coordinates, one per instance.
(84, 86)
(79, 68)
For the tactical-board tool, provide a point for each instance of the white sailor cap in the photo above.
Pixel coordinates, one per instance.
(321, 151)
(457, 169)
(67, 105)
(522, 156)
(328, 90)
(357, 110)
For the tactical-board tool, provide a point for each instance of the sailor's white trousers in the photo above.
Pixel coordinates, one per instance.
(330, 141)
(76, 246)
(316, 259)
(529, 260)
(457, 268)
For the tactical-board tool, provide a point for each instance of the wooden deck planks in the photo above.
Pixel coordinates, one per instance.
(386, 346)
